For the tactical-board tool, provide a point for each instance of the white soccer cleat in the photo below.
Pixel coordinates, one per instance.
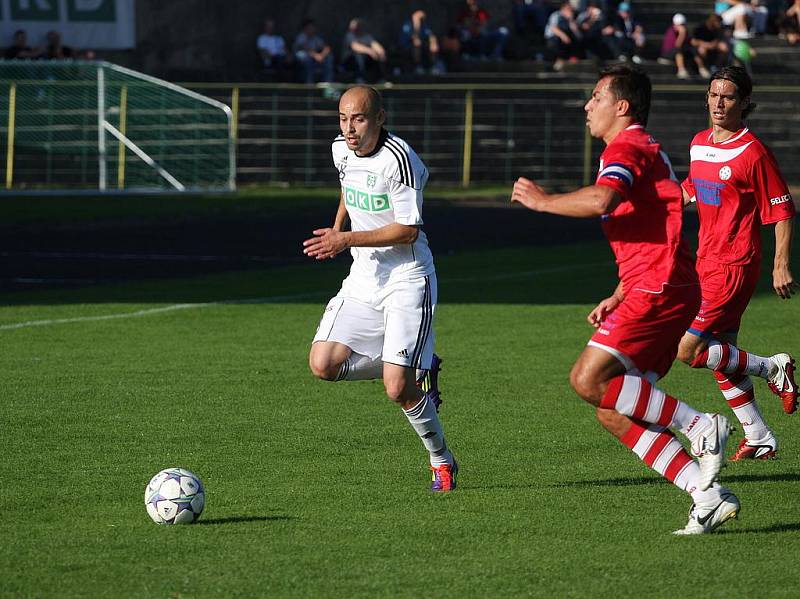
(704, 518)
(709, 448)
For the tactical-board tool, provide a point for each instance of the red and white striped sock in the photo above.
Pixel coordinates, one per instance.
(738, 392)
(636, 397)
(724, 357)
(658, 448)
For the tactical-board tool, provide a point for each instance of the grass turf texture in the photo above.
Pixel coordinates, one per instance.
(320, 489)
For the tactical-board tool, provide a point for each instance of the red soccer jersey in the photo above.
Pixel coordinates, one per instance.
(738, 187)
(645, 228)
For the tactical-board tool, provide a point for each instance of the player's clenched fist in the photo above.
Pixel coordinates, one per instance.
(528, 193)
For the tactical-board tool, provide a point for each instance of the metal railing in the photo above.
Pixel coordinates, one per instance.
(482, 133)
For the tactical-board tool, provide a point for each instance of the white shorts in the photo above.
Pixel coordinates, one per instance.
(394, 323)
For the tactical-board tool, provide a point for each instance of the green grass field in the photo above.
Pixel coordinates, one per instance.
(320, 489)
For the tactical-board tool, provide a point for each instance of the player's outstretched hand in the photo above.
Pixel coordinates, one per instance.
(783, 283)
(529, 194)
(325, 244)
(602, 310)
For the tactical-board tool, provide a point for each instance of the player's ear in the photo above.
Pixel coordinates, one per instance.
(381, 117)
(623, 108)
(745, 102)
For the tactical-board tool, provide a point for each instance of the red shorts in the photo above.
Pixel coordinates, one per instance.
(644, 331)
(726, 292)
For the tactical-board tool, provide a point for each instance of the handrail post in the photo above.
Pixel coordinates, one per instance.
(12, 117)
(123, 125)
(235, 113)
(467, 158)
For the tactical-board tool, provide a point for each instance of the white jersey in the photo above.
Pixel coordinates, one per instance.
(379, 189)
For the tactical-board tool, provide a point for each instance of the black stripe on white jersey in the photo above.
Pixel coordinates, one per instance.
(425, 325)
(339, 138)
(404, 178)
(406, 161)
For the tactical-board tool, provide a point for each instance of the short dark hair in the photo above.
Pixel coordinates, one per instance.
(632, 85)
(741, 79)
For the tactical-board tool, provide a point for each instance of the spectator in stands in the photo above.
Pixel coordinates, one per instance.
(272, 48)
(529, 17)
(743, 55)
(563, 36)
(677, 46)
(760, 17)
(313, 55)
(789, 23)
(451, 48)
(19, 49)
(710, 45)
(629, 40)
(54, 49)
(595, 30)
(737, 17)
(478, 39)
(419, 45)
(362, 54)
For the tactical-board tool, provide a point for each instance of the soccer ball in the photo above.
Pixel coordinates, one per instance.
(174, 496)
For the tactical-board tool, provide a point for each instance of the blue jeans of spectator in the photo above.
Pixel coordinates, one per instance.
(310, 69)
(490, 43)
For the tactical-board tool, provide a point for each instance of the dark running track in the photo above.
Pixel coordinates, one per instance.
(85, 253)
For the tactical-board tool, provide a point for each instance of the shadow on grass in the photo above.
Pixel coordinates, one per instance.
(759, 478)
(644, 480)
(611, 482)
(242, 519)
(788, 527)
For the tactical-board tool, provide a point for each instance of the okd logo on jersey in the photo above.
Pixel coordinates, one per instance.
(367, 202)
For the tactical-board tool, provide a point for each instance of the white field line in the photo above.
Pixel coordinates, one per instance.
(276, 298)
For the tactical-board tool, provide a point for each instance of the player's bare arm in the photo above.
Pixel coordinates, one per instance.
(586, 202)
(606, 307)
(782, 280)
(687, 199)
(328, 242)
(341, 215)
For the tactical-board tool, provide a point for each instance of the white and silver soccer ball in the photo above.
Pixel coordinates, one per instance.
(174, 496)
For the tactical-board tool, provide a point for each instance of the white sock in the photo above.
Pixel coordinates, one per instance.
(425, 420)
(360, 368)
(730, 359)
(707, 496)
(689, 421)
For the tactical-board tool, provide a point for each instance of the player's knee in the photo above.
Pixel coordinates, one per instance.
(686, 355)
(688, 352)
(322, 367)
(585, 384)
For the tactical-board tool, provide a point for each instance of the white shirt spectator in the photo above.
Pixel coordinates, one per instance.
(274, 45)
